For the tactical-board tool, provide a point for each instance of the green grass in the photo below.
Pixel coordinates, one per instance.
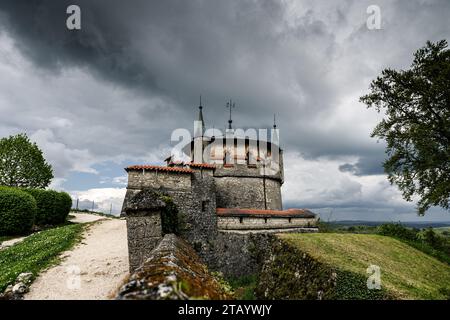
(244, 287)
(36, 252)
(406, 272)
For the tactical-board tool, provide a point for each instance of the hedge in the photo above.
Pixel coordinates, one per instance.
(52, 207)
(65, 205)
(17, 211)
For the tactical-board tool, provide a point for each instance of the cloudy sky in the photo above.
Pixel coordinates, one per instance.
(109, 95)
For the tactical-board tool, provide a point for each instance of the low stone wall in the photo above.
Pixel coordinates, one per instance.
(240, 253)
(172, 271)
(247, 223)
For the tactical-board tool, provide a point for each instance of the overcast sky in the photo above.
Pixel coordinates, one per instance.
(109, 95)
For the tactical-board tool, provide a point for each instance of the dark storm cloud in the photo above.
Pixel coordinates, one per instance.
(117, 88)
(179, 49)
(366, 165)
(39, 26)
(248, 50)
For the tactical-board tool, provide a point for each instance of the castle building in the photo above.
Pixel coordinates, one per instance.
(229, 190)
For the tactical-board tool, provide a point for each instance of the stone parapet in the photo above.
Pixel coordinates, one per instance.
(172, 271)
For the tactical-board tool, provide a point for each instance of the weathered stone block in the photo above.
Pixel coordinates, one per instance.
(144, 233)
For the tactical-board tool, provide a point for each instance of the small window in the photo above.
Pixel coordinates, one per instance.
(241, 219)
(204, 205)
(290, 220)
(265, 220)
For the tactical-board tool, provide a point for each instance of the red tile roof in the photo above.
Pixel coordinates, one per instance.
(289, 213)
(158, 168)
(202, 165)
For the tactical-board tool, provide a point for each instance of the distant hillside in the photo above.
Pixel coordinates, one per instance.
(411, 224)
(333, 266)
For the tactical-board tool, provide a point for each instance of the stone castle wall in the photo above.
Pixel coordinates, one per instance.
(140, 179)
(225, 244)
(252, 223)
(240, 254)
(144, 232)
(248, 193)
(195, 199)
(197, 212)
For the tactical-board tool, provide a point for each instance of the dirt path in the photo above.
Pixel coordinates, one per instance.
(92, 270)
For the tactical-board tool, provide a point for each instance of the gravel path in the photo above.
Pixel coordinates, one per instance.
(9, 243)
(94, 269)
(84, 217)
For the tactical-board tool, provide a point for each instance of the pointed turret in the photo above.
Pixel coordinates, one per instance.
(199, 130)
(200, 115)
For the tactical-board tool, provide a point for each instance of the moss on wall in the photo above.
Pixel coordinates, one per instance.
(173, 271)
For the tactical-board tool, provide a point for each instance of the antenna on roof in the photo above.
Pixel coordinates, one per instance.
(230, 105)
(274, 122)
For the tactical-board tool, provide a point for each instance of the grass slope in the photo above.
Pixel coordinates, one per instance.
(406, 272)
(36, 252)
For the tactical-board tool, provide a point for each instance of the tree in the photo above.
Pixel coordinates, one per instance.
(416, 125)
(22, 163)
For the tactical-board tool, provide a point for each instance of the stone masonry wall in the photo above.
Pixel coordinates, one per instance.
(196, 196)
(197, 212)
(144, 233)
(195, 201)
(140, 179)
(248, 193)
(251, 223)
(239, 254)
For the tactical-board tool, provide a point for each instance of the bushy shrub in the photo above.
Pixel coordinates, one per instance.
(65, 204)
(52, 206)
(353, 286)
(324, 226)
(434, 240)
(17, 211)
(425, 240)
(397, 230)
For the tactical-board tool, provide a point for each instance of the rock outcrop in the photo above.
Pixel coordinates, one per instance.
(19, 288)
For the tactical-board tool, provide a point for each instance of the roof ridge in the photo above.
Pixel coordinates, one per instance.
(158, 168)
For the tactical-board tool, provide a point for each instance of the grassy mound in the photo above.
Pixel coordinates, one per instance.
(406, 272)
